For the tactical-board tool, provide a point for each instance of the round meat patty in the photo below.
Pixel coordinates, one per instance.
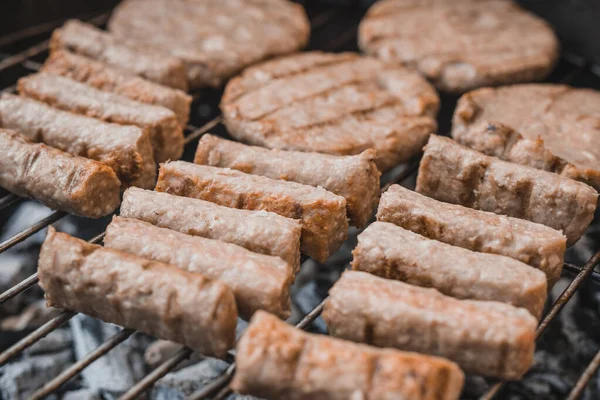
(216, 39)
(332, 103)
(461, 44)
(550, 127)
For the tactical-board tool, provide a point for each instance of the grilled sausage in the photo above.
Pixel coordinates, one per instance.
(323, 214)
(534, 244)
(259, 282)
(113, 80)
(126, 149)
(156, 298)
(355, 178)
(277, 361)
(258, 231)
(456, 174)
(58, 180)
(392, 252)
(63, 93)
(483, 337)
(86, 39)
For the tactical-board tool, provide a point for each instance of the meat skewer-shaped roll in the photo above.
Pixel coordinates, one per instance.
(258, 231)
(66, 94)
(392, 252)
(155, 298)
(277, 361)
(534, 244)
(113, 80)
(483, 337)
(323, 214)
(86, 39)
(456, 174)
(58, 180)
(259, 282)
(126, 149)
(355, 178)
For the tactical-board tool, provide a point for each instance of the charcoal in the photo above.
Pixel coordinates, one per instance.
(307, 298)
(19, 379)
(180, 384)
(57, 340)
(33, 316)
(161, 350)
(82, 394)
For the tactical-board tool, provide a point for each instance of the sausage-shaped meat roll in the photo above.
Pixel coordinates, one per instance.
(58, 180)
(155, 298)
(66, 94)
(258, 281)
(356, 178)
(322, 213)
(126, 149)
(258, 231)
(456, 174)
(82, 38)
(113, 80)
(534, 244)
(277, 361)
(392, 252)
(483, 337)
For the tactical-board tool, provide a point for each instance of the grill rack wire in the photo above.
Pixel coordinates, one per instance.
(218, 387)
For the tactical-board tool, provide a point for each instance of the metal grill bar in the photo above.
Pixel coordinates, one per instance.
(35, 228)
(585, 378)
(8, 201)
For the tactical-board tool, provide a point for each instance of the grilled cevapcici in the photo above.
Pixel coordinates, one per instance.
(156, 298)
(456, 174)
(322, 213)
(355, 178)
(393, 252)
(258, 281)
(57, 179)
(277, 361)
(483, 337)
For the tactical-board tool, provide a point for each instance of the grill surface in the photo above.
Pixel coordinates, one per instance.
(333, 29)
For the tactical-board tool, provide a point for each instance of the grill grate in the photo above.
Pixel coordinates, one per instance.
(338, 27)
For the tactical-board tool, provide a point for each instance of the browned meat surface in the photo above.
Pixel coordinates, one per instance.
(551, 127)
(85, 39)
(258, 231)
(483, 337)
(277, 361)
(158, 299)
(259, 282)
(534, 244)
(126, 149)
(58, 180)
(466, 43)
(114, 80)
(322, 214)
(355, 178)
(339, 104)
(456, 174)
(66, 94)
(392, 252)
(215, 39)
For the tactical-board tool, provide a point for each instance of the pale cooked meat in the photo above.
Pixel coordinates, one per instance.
(258, 281)
(456, 174)
(258, 231)
(277, 361)
(126, 149)
(85, 39)
(335, 104)
(392, 252)
(113, 80)
(158, 299)
(322, 214)
(355, 178)
(551, 127)
(534, 244)
(66, 94)
(482, 337)
(57, 179)
(467, 43)
(214, 39)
